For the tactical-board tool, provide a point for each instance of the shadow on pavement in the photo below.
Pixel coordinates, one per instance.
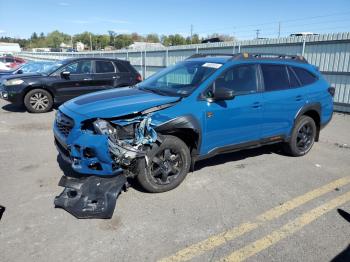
(14, 108)
(344, 215)
(344, 256)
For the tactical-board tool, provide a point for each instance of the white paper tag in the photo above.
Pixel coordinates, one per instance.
(212, 65)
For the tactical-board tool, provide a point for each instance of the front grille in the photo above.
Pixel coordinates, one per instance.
(64, 123)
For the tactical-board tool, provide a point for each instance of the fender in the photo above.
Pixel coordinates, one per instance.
(183, 122)
(313, 106)
(310, 107)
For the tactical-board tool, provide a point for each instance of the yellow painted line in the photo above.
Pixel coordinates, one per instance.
(286, 230)
(220, 239)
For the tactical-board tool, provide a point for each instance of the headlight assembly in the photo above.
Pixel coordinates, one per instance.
(103, 127)
(13, 82)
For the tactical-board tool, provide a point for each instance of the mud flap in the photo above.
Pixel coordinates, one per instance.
(90, 197)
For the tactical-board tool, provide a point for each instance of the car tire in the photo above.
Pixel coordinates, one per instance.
(302, 138)
(166, 166)
(38, 101)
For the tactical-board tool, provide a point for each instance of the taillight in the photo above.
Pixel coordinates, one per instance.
(331, 90)
(138, 78)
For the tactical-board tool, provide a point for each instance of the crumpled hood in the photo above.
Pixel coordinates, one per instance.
(116, 102)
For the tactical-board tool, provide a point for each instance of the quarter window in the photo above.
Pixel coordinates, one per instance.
(305, 77)
(241, 79)
(104, 67)
(294, 82)
(275, 77)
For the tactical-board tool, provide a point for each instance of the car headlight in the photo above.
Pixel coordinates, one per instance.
(13, 82)
(103, 127)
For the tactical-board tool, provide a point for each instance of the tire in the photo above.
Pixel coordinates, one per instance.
(302, 138)
(38, 101)
(168, 165)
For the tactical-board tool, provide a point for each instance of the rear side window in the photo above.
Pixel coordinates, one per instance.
(121, 67)
(305, 77)
(275, 77)
(104, 67)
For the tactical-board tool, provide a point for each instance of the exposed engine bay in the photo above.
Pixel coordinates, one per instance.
(128, 141)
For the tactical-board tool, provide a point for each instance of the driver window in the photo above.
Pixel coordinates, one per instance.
(241, 79)
(81, 67)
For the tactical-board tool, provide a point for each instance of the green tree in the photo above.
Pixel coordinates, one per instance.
(152, 38)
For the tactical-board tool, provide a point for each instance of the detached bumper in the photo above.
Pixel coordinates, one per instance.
(88, 154)
(90, 197)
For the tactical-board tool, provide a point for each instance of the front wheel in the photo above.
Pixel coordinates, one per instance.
(166, 167)
(38, 101)
(303, 137)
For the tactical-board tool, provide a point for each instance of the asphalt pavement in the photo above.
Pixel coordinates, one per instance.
(253, 205)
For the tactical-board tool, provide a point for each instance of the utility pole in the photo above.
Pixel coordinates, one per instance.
(279, 29)
(90, 43)
(191, 33)
(257, 33)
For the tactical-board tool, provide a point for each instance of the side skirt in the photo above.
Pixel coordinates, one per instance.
(242, 146)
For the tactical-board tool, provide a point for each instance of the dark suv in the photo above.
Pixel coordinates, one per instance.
(65, 80)
(203, 106)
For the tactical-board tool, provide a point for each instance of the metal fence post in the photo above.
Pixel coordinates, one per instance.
(145, 64)
(197, 49)
(303, 48)
(166, 57)
(239, 47)
(127, 55)
(234, 48)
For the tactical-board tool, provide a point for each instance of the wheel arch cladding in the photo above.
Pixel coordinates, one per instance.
(187, 128)
(32, 87)
(313, 111)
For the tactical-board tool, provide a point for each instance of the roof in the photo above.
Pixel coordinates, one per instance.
(223, 58)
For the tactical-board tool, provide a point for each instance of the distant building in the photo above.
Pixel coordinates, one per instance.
(6, 48)
(79, 46)
(145, 45)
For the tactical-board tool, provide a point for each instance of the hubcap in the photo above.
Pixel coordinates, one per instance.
(39, 101)
(305, 137)
(166, 166)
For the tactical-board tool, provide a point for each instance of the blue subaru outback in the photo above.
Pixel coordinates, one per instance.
(206, 105)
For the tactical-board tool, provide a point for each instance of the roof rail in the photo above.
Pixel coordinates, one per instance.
(246, 55)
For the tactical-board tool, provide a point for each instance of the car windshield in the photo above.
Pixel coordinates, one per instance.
(181, 79)
(53, 67)
(35, 67)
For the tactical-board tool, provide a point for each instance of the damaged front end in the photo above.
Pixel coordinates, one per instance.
(111, 149)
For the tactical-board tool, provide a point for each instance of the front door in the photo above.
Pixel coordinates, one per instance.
(78, 82)
(236, 121)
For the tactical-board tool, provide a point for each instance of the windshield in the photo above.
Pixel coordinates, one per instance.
(53, 67)
(35, 67)
(181, 79)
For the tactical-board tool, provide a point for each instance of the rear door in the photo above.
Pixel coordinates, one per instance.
(282, 99)
(105, 75)
(125, 77)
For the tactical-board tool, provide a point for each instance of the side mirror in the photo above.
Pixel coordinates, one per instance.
(20, 72)
(222, 93)
(65, 74)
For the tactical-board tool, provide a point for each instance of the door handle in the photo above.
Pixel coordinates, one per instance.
(298, 98)
(87, 79)
(257, 105)
(116, 77)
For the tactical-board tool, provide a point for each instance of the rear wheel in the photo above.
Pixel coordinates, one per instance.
(38, 101)
(303, 137)
(168, 165)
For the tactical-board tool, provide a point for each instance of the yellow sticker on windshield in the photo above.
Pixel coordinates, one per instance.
(212, 65)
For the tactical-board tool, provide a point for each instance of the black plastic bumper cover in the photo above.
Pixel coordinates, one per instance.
(90, 197)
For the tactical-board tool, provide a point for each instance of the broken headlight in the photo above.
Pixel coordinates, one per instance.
(103, 127)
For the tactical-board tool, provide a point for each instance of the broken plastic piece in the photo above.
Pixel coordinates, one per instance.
(2, 210)
(90, 197)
